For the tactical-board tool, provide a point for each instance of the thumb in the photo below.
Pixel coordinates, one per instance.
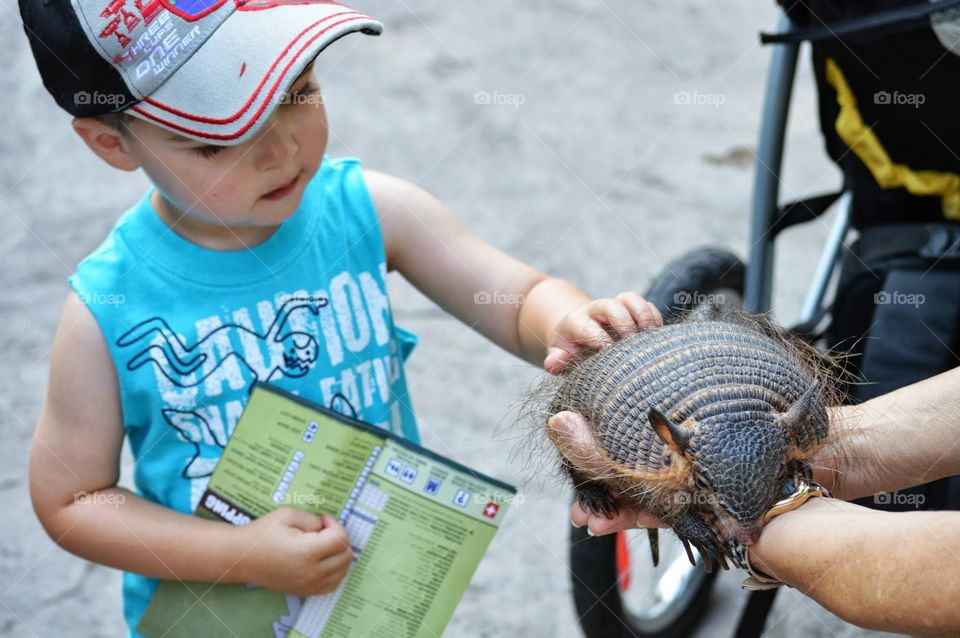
(575, 440)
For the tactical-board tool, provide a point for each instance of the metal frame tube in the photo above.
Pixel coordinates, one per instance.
(766, 185)
(813, 305)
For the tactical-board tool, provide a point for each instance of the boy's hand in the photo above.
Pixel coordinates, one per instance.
(596, 324)
(294, 552)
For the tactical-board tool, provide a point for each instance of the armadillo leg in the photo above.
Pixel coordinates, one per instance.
(654, 535)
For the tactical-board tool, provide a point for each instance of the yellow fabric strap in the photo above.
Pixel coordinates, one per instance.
(864, 143)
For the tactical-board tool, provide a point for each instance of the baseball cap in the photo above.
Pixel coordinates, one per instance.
(210, 70)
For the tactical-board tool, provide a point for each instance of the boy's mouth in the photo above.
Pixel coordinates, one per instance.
(283, 191)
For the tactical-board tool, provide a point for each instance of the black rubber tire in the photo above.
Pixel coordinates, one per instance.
(692, 277)
(682, 283)
(597, 597)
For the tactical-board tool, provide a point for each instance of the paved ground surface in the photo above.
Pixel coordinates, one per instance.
(594, 140)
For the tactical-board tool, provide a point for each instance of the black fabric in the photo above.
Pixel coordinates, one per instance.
(923, 137)
(801, 211)
(864, 26)
(69, 65)
(898, 305)
(898, 314)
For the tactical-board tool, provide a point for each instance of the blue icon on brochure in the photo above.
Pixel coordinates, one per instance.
(462, 498)
(432, 486)
(393, 467)
(408, 474)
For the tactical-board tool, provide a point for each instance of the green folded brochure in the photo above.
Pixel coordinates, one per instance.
(418, 523)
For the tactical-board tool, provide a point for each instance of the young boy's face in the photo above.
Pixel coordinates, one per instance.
(257, 183)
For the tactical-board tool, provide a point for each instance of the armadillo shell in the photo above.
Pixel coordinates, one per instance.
(699, 369)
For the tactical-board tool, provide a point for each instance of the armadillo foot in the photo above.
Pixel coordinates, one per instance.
(692, 529)
(595, 499)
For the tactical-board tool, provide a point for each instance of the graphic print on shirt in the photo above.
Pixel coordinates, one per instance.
(178, 361)
(334, 346)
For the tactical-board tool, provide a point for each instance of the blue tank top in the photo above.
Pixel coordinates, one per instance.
(190, 330)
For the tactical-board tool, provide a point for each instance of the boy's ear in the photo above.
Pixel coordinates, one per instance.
(105, 141)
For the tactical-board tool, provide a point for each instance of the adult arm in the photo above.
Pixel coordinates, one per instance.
(890, 571)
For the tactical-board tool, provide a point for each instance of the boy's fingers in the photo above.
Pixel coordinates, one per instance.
(645, 314)
(614, 314)
(335, 533)
(303, 521)
(592, 335)
(557, 360)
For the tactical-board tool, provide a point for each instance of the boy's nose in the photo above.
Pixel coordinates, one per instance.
(275, 145)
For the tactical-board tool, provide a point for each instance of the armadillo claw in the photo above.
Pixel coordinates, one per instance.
(654, 535)
(686, 546)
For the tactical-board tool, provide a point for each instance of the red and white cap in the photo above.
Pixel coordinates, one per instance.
(210, 70)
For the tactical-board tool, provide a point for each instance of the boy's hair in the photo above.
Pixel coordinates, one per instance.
(118, 121)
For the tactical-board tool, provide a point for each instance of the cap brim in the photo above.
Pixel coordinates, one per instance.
(233, 83)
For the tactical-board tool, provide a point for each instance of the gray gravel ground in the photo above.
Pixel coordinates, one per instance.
(555, 131)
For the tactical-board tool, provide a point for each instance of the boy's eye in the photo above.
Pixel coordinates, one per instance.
(208, 150)
(299, 97)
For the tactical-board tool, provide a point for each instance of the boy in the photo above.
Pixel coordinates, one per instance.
(252, 258)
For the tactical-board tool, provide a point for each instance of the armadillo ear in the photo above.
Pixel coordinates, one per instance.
(798, 414)
(671, 433)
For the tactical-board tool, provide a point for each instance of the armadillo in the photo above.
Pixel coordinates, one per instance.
(702, 423)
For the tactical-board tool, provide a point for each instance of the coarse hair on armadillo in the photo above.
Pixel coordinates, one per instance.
(686, 369)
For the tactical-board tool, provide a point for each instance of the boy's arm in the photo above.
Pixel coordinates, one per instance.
(74, 468)
(512, 304)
